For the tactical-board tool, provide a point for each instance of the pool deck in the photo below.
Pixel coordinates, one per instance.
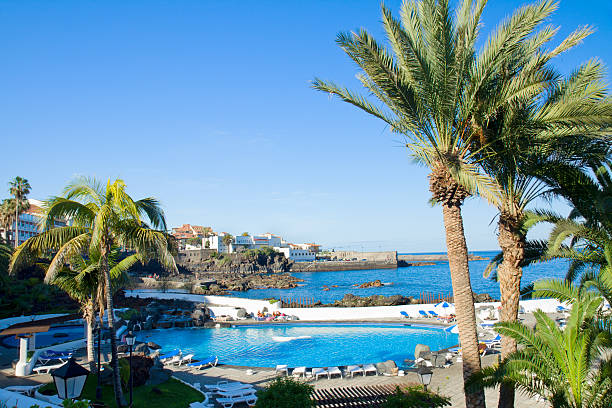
(446, 381)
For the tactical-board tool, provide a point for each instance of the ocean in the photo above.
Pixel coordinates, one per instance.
(406, 281)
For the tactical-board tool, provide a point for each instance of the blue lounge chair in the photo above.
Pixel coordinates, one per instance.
(51, 355)
(562, 309)
(210, 361)
(171, 354)
(434, 314)
(493, 342)
(406, 315)
(422, 313)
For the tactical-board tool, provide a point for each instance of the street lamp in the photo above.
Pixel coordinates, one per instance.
(69, 379)
(99, 385)
(425, 375)
(130, 339)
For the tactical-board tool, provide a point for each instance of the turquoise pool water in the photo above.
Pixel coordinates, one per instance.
(312, 345)
(56, 334)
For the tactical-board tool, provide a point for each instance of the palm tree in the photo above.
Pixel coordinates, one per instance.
(5, 256)
(83, 282)
(568, 367)
(434, 88)
(19, 188)
(100, 219)
(525, 143)
(227, 241)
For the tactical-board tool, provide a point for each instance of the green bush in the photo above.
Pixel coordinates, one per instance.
(415, 397)
(285, 392)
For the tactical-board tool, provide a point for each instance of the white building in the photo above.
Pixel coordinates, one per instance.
(296, 254)
(216, 242)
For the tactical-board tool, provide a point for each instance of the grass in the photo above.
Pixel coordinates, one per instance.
(172, 393)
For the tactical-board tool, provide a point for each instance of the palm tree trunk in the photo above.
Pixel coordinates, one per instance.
(16, 223)
(464, 298)
(90, 338)
(111, 324)
(509, 275)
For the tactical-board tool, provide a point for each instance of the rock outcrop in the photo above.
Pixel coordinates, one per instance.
(350, 300)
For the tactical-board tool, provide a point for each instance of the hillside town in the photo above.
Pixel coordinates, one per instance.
(196, 237)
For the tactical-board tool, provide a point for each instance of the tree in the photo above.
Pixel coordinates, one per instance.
(568, 367)
(432, 86)
(19, 188)
(552, 129)
(285, 392)
(227, 241)
(83, 282)
(195, 241)
(245, 234)
(101, 218)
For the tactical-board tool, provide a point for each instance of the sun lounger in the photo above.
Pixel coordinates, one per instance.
(406, 315)
(434, 314)
(422, 313)
(493, 342)
(46, 369)
(316, 372)
(168, 356)
(172, 360)
(369, 368)
(185, 359)
(51, 355)
(210, 361)
(354, 369)
(281, 369)
(334, 371)
(299, 371)
(24, 389)
(229, 402)
(225, 385)
(236, 393)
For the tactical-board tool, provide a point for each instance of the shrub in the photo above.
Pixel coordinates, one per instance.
(415, 397)
(285, 392)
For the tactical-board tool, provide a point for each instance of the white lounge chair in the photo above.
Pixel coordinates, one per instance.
(185, 359)
(229, 402)
(282, 369)
(299, 371)
(369, 368)
(334, 371)
(47, 368)
(223, 385)
(24, 389)
(318, 371)
(243, 392)
(354, 369)
(172, 360)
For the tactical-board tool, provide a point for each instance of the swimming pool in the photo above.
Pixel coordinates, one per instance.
(312, 345)
(55, 335)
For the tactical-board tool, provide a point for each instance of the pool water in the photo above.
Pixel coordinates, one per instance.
(312, 345)
(55, 335)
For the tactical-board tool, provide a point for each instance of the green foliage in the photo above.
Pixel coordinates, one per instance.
(567, 366)
(194, 241)
(415, 397)
(75, 404)
(285, 392)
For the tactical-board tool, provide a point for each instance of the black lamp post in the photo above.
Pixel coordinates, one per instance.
(98, 385)
(69, 379)
(130, 339)
(425, 375)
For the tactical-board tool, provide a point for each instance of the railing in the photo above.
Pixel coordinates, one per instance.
(427, 297)
(297, 302)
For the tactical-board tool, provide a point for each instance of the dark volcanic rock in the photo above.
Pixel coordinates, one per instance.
(483, 298)
(350, 300)
(374, 284)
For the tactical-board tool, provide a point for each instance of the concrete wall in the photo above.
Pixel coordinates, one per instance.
(386, 256)
(251, 305)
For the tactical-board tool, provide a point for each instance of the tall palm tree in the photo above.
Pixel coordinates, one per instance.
(100, 219)
(432, 87)
(19, 188)
(526, 142)
(83, 282)
(227, 241)
(566, 366)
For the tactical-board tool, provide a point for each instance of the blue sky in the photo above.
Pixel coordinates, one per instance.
(208, 107)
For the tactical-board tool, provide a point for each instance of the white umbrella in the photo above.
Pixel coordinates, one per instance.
(445, 308)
